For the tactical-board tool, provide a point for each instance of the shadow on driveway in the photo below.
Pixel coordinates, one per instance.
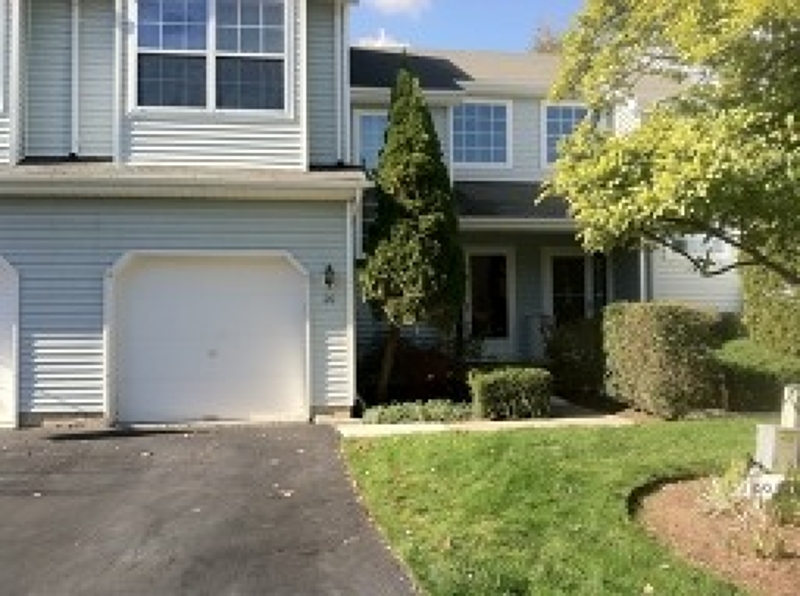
(257, 510)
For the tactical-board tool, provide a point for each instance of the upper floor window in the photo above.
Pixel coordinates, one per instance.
(559, 122)
(480, 133)
(244, 59)
(371, 136)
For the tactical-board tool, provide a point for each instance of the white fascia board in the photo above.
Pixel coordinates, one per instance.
(516, 224)
(177, 188)
(382, 95)
(506, 88)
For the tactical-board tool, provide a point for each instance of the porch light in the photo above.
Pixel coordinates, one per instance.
(329, 277)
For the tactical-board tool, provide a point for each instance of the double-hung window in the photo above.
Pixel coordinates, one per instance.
(559, 122)
(238, 65)
(371, 137)
(480, 133)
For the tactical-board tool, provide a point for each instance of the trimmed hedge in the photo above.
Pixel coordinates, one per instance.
(755, 376)
(436, 410)
(771, 316)
(659, 358)
(511, 393)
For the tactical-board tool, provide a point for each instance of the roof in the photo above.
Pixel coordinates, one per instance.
(454, 70)
(444, 70)
(507, 200)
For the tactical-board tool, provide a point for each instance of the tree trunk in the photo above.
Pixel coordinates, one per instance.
(389, 351)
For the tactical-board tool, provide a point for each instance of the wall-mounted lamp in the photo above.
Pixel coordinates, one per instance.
(329, 277)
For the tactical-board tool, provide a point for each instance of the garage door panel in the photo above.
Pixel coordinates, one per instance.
(211, 337)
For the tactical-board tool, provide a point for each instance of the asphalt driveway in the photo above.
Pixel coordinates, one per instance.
(265, 510)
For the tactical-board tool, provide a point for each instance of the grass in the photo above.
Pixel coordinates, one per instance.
(538, 512)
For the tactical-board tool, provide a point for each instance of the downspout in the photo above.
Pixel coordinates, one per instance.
(338, 73)
(644, 275)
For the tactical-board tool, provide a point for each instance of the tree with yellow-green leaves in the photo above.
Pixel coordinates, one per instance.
(720, 157)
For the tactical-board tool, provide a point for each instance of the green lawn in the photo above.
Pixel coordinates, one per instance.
(538, 512)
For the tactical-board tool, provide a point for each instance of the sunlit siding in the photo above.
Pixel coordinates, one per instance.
(322, 105)
(47, 54)
(63, 248)
(674, 278)
(96, 45)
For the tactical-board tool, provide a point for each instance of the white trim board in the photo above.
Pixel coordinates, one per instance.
(9, 403)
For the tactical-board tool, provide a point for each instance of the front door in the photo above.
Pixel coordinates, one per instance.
(489, 312)
(569, 289)
(578, 285)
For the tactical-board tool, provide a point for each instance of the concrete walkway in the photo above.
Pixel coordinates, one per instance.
(564, 415)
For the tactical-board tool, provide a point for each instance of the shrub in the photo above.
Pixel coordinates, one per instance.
(577, 362)
(511, 393)
(437, 410)
(659, 357)
(770, 314)
(419, 374)
(755, 376)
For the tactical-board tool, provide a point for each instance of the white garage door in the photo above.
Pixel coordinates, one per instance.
(209, 338)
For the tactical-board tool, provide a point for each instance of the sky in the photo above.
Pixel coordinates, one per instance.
(502, 25)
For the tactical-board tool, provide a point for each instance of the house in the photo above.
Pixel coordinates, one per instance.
(499, 136)
(177, 230)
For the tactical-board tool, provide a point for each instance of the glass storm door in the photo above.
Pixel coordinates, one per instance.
(569, 289)
(488, 313)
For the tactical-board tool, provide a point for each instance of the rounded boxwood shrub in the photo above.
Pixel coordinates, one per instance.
(511, 393)
(659, 357)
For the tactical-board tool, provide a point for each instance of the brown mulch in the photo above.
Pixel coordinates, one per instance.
(719, 543)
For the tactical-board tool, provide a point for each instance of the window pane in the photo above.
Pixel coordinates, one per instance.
(196, 37)
(196, 11)
(149, 11)
(227, 12)
(171, 80)
(250, 83)
(149, 36)
(251, 12)
(272, 41)
(228, 39)
(372, 135)
(250, 41)
(272, 14)
(174, 11)
(174, 37)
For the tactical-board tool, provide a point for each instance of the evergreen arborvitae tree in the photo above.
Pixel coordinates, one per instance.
(414, 269)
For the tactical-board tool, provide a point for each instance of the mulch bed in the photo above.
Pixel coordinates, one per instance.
(719, 543)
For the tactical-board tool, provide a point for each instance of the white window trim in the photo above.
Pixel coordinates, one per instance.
(357, 115)
(486, 165)
(545, 164)
(211, 54)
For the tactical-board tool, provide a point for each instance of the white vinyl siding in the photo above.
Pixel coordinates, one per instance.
(96, 43)
(524, 163)
(5, 54)
(178, 136)
(322, 83)
(674, 278)
(63, 249)
(49, 70)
